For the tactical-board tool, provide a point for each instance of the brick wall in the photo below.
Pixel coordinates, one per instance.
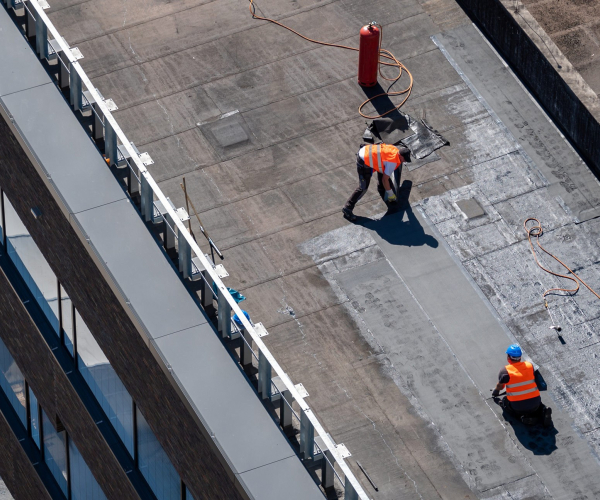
(192, 455)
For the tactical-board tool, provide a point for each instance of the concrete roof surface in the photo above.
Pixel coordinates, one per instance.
(397, 324)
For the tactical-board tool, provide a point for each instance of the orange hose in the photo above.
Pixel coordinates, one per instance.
(383, 54)
(536, 231)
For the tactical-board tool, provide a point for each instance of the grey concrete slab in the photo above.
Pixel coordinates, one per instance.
(21, 69)
(63, 148)
(104, 54)
(256, 216)
(168, 116)
(225, 400)
(179, 155)
(87, 20)
(140, 268)
(290, 298)
(331, 189)
(273, 481)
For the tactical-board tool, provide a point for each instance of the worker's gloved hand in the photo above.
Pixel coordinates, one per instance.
(495, 393)
(390, 197)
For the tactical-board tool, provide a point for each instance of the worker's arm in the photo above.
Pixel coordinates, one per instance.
(499, 387)
(386, 182)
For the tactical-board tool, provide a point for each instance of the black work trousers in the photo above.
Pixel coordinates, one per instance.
(364, 179)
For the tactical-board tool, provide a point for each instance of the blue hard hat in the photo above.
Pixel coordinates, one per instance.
(514, 351)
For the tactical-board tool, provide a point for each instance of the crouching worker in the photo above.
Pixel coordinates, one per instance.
(380, 158)
(522, 398)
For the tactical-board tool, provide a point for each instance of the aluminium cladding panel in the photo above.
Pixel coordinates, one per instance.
(272, 482)
(20, 68)
(61, 146)
(139, 267)
(254, 446)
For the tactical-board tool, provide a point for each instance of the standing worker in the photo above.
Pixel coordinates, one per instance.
(523, 398)
(383, 158)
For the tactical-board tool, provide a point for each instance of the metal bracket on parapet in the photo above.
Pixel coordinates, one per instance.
(221, 272)
(301, 390)
(146, 159)
(260, 329)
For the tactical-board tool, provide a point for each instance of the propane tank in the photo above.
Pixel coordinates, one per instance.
(368, 55)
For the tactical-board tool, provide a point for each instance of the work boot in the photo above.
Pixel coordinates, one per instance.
(547, 419)
(529, 420)
(349, 215)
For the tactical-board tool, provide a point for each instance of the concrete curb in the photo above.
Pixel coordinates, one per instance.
(551, 78)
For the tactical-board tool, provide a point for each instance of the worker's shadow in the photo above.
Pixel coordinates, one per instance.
(539, 440)
(399, 225)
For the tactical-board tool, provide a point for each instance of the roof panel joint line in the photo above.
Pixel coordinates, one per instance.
(353, 489)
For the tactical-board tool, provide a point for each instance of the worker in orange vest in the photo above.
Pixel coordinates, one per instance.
(380, 158)
(523, 398)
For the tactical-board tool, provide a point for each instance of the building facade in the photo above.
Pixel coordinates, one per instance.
(115, 381)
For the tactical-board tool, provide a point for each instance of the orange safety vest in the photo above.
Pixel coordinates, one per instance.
(521, 384)
(375, 155)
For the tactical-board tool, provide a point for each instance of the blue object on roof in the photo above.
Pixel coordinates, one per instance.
(238, 321)
(237, 296)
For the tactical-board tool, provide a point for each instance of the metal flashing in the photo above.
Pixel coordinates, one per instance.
(140, 268)
(20, 71)
(63, 149)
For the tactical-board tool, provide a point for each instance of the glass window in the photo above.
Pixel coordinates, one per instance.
(83, 484)
(31, 264)
(55, 452)
(104, 383)
(34, 418)
(155, 465)
(13, 383)
(66, 314)
(188, 495)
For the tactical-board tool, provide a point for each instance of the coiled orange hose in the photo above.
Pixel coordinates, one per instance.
(384, 55)
(536, 231)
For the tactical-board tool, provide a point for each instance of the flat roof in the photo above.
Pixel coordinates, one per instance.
(398, 342)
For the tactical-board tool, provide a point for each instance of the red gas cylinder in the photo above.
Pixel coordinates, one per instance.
(368, 55)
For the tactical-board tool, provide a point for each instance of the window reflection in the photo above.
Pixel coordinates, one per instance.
(66, 314)
(188, 495)
(55, 452)
(104, 383)
(34, 418)
(155, 465)
(13, 383)
(83, 484)
(31, 264)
